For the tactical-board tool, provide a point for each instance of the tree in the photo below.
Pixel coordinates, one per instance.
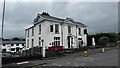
(16, 38)
(113, 37)
(103, 41)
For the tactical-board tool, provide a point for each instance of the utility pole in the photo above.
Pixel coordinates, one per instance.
(3, 15)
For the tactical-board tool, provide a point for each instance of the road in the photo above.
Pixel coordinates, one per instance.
(109, 58)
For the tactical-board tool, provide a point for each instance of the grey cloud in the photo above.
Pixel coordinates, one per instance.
(98, 16)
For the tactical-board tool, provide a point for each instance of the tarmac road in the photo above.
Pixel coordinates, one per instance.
(95, 58)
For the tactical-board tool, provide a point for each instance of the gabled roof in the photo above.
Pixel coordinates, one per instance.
(79, 23)
(52, 18)
(46, 16)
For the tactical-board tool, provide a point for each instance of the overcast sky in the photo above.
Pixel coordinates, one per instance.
(98, 16)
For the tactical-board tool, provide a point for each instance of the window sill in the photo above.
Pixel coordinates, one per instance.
(69, 33)
(57, 33)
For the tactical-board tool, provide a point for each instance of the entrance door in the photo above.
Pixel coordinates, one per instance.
(68, 42)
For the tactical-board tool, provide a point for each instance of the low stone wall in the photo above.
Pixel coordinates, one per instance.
(7, 60)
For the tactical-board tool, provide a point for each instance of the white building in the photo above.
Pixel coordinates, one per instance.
(13, 46)
(56, 32)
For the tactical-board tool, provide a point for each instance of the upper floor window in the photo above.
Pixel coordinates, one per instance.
(3, 44)
(79, 31)
(12, 44)
(28, 33)
(39, 29)
(17, 44)
(85, 31)
(56, 28)
(32, 31)
(69, 29)
(22, 44)
(51, 28)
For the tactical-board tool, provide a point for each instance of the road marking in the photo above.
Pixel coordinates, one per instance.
(23, 62)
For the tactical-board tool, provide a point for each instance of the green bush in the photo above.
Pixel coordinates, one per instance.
(103, 41)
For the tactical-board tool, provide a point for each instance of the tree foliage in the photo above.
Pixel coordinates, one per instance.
(103, 41)
(113, 37)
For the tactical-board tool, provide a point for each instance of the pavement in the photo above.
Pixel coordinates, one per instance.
(95, 58)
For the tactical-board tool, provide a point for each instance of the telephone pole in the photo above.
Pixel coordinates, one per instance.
(3, 16)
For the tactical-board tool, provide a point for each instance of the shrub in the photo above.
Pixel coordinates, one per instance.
(103, 41)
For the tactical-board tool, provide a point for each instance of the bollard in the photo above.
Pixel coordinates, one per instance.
(103, 50)
(85, 54)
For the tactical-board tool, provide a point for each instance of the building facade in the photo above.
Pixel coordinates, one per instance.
(55, 32)
(13, 46)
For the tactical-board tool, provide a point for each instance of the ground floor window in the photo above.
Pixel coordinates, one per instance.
(4, 50)
(17, 49)
(32, 43)
(12, 49)
(39, 41)
(22, 44)
(80, 43)
(56, 41)
(28, 43)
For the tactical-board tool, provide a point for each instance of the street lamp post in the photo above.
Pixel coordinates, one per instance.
(2, 34)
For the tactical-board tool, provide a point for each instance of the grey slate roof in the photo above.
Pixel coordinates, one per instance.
(52, 18)
(46, 16)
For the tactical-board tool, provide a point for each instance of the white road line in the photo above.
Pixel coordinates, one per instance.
(23, 62)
